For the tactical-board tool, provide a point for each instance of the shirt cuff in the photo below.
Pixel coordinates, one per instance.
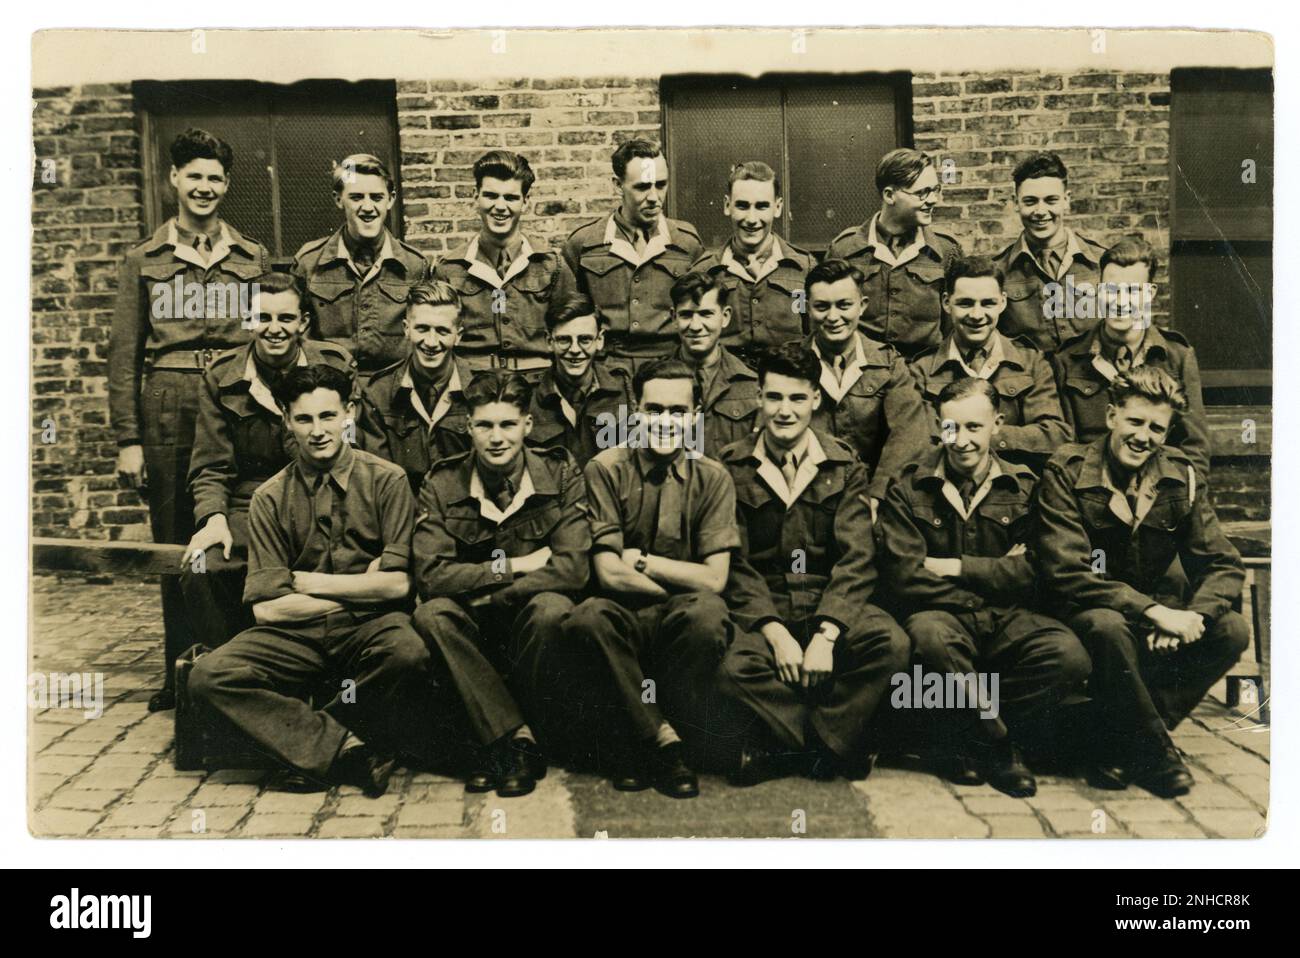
(395, 559)
(267, 584)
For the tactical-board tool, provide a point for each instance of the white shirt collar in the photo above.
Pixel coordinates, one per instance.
(810, 455)
(881, 250)
(385, 252)
(489, 509)
(489, 275)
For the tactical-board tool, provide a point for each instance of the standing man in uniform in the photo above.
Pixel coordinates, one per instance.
(1032, 426)
(663, 528)
(1046, 257)
(955, 529)
(580, 396)
(413, 413)
(501, 547)
(813, 658)
(358, 278)
(627, 262)
(1123, 338)
(329, 582)
(730, 388)
(158, 350)
(506, 281)
(871, 401)
(762, 275)
(1113, 515)
(240, 441)
(901, 256)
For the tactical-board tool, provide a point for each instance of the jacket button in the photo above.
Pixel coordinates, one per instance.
(938, 521)
(1002, 444)
(1005, 520)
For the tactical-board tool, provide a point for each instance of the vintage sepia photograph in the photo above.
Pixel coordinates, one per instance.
(651, 433)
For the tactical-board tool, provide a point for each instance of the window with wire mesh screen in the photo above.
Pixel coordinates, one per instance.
(285, 138)
(823, 134)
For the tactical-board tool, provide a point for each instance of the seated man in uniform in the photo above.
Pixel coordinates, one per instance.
(730, 388)
(581, 394)
(1125, 338)
(329, 582)
(240, 441)
(663, 527)
(1033, 426)
(870, 399)
(1113, 515)
(955, 529)
(815, 658)
(501, 545)
(413, 412)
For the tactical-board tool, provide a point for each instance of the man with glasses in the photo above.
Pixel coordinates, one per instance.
(901, 256)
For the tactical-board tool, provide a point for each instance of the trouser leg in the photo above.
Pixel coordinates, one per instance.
(614, 637)
(687, 637)
(214, 598)
(534, 647)
(454, 636)
(1180, 679)
(259, 681)
(1123, 704)
(945, 645)
(749, 678)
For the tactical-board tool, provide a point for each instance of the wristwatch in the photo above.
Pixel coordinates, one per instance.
(639, 565)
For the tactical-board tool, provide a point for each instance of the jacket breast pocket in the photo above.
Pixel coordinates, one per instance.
(605, 277)
(534, 530)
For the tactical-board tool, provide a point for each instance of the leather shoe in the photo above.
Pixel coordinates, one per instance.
(758, 764)
(514, 774)
(483, 774)
(629, 780)
(960, 769)
(532, 755)
(855, 769)
(162, 700)
(1006, 771)
(365, 769)
(293, 781)
(1166, 776)
(1112, 777)
(671, 775)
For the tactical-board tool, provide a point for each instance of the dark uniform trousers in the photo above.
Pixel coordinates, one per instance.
(214, 598)
(261, 678)
(652, 663)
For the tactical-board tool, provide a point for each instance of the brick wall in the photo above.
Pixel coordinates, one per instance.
(1111, 128)
(82, 224)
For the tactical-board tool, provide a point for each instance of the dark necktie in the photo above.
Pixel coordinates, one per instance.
(838, 365)
(976, 358)
(504, 495)
(503, 263)
(967, 490)
(1123, 359)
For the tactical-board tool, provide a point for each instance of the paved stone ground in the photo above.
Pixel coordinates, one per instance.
(112, 777)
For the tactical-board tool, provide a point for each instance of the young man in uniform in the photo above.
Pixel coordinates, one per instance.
(359, 276)
(663, 527)
(158, 349)
(240, 441)
(1113, 515)
(329, 582)
(501, 546)
(627, 262)
(813, 658)
(581, 395)
(871, 401)
(413, 412)
(730, 388)
(762, 275)
(1047, 257)
(955, 528)
(1123, 338)
(901, 255)
(1033, 426)
(507, 282)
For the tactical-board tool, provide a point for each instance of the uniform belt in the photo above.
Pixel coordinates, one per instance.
(493, 361)
(196, 360)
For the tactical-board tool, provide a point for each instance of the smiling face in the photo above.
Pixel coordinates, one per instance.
(752, 206)
(500, 205)
(1138, 428)
(914, 205)
(667, 406)
(316, 420)
(642, 190)
(200, 186)
(834, 310)
(433, 331)
(787, 404)
(974, 305)
(498, 430)
(700, 325)
(1042, 204)
(365, 201)
(574, 344)
(1127, 299)
(970, 425)
(280, 326)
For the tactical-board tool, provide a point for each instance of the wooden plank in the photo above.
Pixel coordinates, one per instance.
(1231, 428)
(120, 558)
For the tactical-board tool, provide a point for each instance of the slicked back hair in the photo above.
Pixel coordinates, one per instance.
(360, 164)
(792, 359)
(504, 165)
(754, 170)
(196, 144)
(498, 385)
(1150, 383)
(1040, 165)
(1130, 251)
(968, 386)
(643, 149)
(693, 287)
(301, 380)
(573, 308)
(971, 267)
(832, 271)
(667, 369)
(900, 168)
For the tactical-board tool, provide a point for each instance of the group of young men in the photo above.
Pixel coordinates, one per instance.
(667, 508)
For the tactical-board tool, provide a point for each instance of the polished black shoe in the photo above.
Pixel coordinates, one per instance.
(758, 764)
(630, 780)
(960, 769)
(514, 771)
(482, 776)
(1166, 776)
(853, 769)
(532, 755)
(162, 700)
(671, 775)
(1006, 771)
(1107, 775)
(365, 769)
(293, 781)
